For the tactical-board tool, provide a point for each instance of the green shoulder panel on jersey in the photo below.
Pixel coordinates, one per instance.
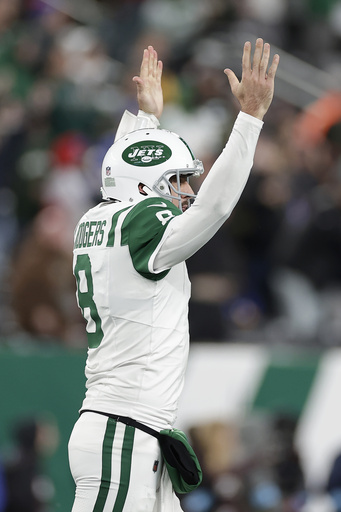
(142, 231)
(114, 221)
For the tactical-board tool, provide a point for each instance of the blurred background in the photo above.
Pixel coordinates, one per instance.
(261, 404)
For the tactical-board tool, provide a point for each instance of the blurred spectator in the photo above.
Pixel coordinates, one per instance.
(43, 288)
(287, 466)
(262, 473)
(29, 488)
(333, 487)
(3, 490)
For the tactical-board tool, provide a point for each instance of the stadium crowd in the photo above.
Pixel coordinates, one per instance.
(272, 274)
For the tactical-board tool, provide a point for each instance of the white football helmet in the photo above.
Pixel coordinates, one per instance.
(141, 164)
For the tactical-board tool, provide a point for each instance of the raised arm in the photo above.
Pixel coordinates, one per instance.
(148, 83)
(227, 178)
(149, 96)
(256, 88)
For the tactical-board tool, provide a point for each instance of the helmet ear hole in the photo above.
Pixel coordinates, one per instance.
(141, 189)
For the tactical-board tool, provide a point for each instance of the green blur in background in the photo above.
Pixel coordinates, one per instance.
(45, 384)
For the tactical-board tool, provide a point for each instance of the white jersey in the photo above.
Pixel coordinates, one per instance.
(137, 319)
(133, 287)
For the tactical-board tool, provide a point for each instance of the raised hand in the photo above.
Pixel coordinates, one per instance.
(256, 88)
(148, 83)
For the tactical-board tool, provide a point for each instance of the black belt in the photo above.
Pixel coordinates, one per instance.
(127, 421)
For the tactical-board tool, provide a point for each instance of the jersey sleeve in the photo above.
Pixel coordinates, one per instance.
(143, 231)
(217, 197)
(130, 123)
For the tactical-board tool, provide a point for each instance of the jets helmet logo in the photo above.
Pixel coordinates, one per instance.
(146, 153)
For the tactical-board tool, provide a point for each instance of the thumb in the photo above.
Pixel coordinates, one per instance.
(233, 80)
(138, 81)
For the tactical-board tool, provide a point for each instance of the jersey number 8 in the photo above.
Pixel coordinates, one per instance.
(86, 300)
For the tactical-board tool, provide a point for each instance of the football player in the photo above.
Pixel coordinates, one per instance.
(133, 288)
